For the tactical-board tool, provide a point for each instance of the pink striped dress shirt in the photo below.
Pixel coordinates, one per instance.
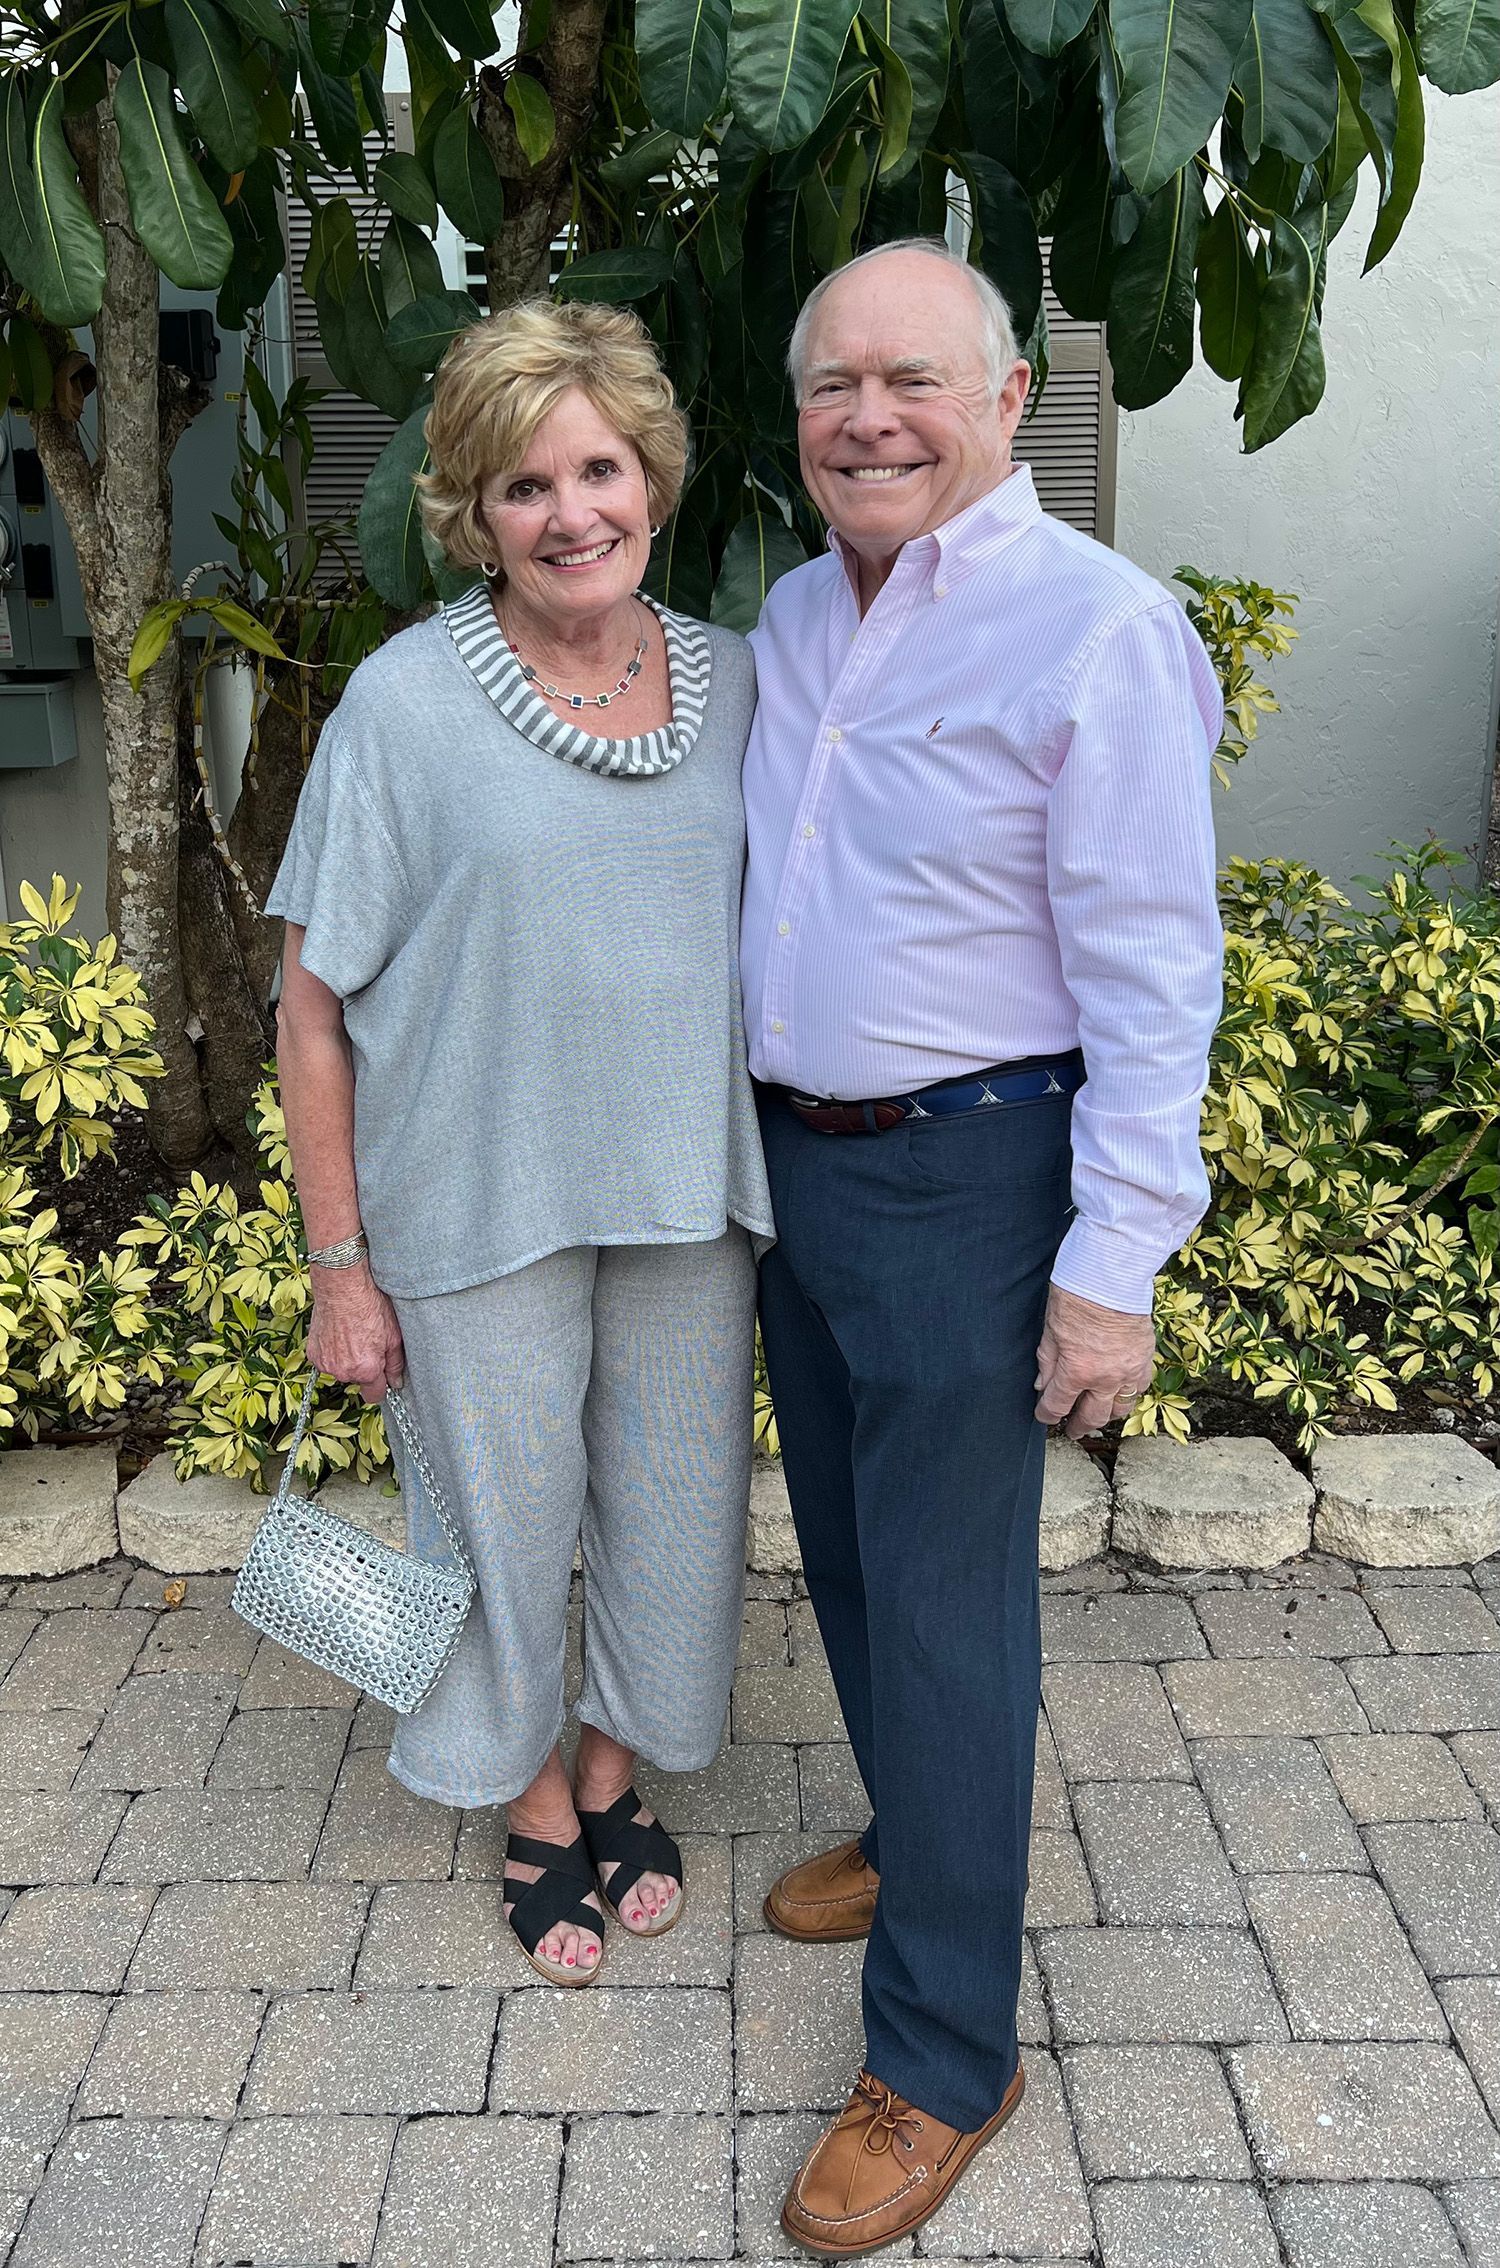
(980, 828)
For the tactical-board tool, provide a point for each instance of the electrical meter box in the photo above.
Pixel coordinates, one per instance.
(44, 633)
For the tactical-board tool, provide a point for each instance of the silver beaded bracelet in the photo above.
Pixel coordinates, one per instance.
(346, 1255)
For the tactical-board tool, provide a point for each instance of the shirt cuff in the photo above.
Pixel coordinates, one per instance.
(1108, 1267)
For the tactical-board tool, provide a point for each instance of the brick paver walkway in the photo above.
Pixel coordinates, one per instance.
(257, 2004)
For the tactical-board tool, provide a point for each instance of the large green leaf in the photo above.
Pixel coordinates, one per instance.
(1366, 54)
(530, 106)
(344, 32)
(467, 25)
(401, 183)
(783, 57)
(263, 19)
(1288, 82)
(335, 113)
(206, 51)
(390, 525)
(30, 364)
(778, 275)
(1459, 43)
(438, 83)
(420, 334)
(917, 33)
(1231, 279)
(1007, 240)
(1083, 254)
(1047, 26)
(381, 379)
(18, 222)
(1284, 376)
(682, 50)
(1407, 154)
(833, 204)
(175, 214)
(67, 249)
(1010, 97)
(761, 549)
(254, 216)
(409, 266)
(332, 239)
(634, 271)
(1176, 58)
(680, 573)
(626, 173)
(467, 183)
(1151, 301)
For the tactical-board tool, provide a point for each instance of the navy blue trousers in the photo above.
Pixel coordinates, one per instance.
(901, 1311)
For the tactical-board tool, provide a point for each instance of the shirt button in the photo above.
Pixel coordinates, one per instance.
(783, 929)
(834, 732)
(778, 1025)
(940, 590)
(808, 832)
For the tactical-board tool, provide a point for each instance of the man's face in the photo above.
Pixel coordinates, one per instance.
(898, 429)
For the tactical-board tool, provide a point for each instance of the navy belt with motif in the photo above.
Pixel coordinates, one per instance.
(1028, 1081)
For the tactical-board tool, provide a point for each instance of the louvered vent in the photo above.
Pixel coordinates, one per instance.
(348, 434)
(1069, 442)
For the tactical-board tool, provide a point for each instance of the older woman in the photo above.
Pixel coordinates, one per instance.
(513, 1071)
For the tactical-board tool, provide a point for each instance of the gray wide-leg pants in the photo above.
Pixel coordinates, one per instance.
(603, 1396)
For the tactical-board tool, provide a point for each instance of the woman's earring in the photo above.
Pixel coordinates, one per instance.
(655, 532)
(490, 568)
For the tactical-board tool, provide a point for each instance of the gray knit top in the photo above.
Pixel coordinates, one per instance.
(534, 933)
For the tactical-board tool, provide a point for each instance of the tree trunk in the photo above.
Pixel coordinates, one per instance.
(119, 514)
(539, 197)
(262, 818)
(230, 1004)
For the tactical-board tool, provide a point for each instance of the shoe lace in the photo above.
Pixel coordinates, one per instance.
(888, 2121)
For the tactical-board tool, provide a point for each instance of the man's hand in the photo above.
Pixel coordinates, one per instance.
(354, 1335)
(1093, 1363)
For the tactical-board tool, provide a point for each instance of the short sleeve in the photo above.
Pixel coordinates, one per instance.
(341, 879)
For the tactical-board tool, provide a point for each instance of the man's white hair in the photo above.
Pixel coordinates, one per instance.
(997, 335)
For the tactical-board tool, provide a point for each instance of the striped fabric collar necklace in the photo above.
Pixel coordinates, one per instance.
(477, 635)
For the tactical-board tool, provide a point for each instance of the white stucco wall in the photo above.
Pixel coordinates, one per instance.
(58, 820)
(1382, 510)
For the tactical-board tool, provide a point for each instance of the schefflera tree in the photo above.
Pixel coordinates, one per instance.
(1188, 163)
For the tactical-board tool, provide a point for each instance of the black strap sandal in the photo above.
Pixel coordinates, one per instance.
(616, 1838)
(556, 1896)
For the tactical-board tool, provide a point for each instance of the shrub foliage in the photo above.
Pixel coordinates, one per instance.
(1351, 1128)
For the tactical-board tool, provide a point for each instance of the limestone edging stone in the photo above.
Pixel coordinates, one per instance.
(57, 1509)
(1405, 1500)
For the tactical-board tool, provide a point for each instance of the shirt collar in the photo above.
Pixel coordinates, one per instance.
(971, 537)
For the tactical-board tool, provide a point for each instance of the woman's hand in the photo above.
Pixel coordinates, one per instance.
(354, 1335)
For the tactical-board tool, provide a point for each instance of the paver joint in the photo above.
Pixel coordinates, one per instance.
(259, 2005)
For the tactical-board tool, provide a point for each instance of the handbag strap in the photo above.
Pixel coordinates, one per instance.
(406, 1425)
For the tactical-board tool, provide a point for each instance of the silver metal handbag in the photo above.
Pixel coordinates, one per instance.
(384, 1619)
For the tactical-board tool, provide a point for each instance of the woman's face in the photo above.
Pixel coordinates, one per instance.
(570, 523)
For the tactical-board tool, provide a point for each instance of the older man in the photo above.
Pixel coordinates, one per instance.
(981, 963)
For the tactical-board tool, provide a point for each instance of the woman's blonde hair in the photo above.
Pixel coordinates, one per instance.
(501, 377)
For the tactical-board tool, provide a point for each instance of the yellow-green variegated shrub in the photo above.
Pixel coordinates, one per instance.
(229, 1323)
(74, 1046)
(1351, 1131)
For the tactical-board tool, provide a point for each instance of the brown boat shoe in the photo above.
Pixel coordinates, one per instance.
(825, 1899)
(880, 2171)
